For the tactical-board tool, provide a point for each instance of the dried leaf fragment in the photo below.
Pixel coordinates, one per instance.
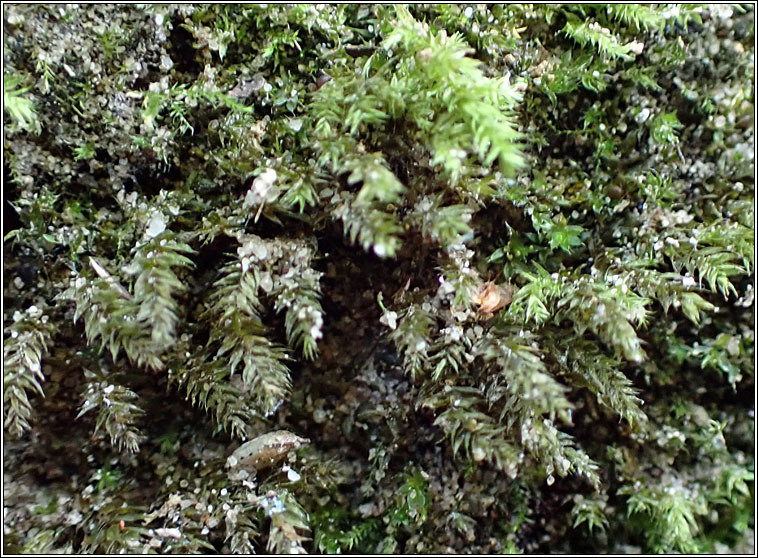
(491, 298)
(265, 450)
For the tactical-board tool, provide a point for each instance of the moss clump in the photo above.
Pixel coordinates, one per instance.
(495, 263)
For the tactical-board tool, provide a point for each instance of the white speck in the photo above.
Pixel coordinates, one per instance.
(263, 184)
(319, 416)
(315, 331)
(550, 480)
(266, 282)
(275, 504)
(166, 63)
(156, 226)
(293, 475)
(74, 517)
(722, 12)
(275, 407)
(643, 115)
(295, 124)
(600, 311)
(636, 47)
(389, 319)
(109, 389)
(169, 533)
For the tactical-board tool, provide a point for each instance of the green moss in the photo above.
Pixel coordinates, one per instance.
(495, 263)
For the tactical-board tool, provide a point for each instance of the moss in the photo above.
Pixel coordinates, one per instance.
(495, 263)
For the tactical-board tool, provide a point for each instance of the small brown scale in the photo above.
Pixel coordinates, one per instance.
(265, 450)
